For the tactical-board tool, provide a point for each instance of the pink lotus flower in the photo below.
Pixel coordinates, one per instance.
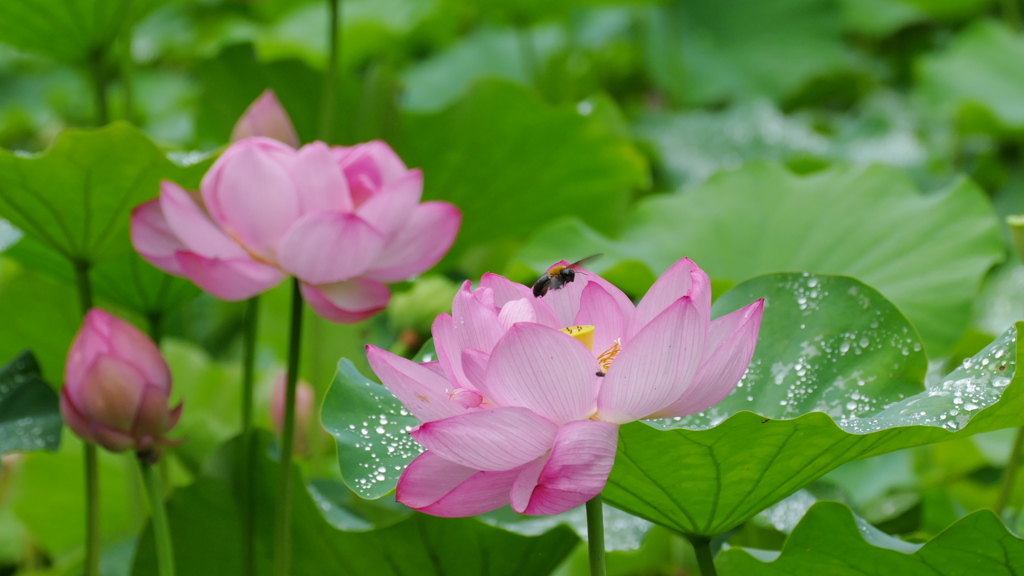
(344, 221)
(524, 403)
(266, 117)
(116, 387)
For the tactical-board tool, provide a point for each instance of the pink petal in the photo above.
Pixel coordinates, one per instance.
(151, 414)
(389, 209)
(438, 487)
(110, 392)
(326, 247)
(153, 239)
(599, 309)
(517, 311)
(683, 278)
(230, 280)
(251, 195)
(73, 417)
(419, 389)
(266, 117)
(347, 302)
(576, 471)
(319, 182)
(493, 440)
(657, 366)
(368, 167)
(545, 370)
(420, 242)
(474, 366)
(193, 227)
(731, 341)
(506, 291)
(473, 324)
(131, 345)
(111, 439)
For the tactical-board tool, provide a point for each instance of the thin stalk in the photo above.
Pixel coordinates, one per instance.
(595, 536)
(705, 559)
(99, 85)
(282, 559)
(327, 101)
(1010, 474)
(161, 530)
(248, 453)
(92, 476)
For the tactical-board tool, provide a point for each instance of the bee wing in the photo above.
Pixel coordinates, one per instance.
(580, 263)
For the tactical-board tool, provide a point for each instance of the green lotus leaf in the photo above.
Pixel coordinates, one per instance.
(417, 544)
(29, 411)
(925, 253)
(838, 375)
(831, 540)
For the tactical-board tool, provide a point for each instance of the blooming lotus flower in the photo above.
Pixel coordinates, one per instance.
(266, 117)
(344, 221)
(116, 387)
(525, 400)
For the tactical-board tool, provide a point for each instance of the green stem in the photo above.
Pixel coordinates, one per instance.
(705, 559)
(92, 476)
(99, 84)
(1010, 474)
(161, 530)
(327, 102)
(248, 452)
(595, 536)
(92, 511)
(282, 559)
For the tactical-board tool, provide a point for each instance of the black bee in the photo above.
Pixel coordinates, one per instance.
(557, 276)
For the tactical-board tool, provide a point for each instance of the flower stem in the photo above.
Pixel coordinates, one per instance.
(706, 560)
(248, 453)
(1010, 473)
(595, 536)
(328, 96)
(282, 559)
(161, 530)
(92, 476)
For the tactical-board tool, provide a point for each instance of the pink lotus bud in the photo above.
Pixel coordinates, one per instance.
(266, 117)
(304, 421)
(117, 387)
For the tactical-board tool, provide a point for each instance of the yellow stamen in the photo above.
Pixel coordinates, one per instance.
(606, 357)
(583, 333)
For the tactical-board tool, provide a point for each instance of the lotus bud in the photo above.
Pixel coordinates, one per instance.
(117, 387)
(266, 117)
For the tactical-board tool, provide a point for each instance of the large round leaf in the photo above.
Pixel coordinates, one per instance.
(926, 253)
(979, 71)
(73, 204)
(703, 52)
(831, 540)
(837, 376)
(29, 413)
(419, 544)
(515, 170)
(70, 30)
